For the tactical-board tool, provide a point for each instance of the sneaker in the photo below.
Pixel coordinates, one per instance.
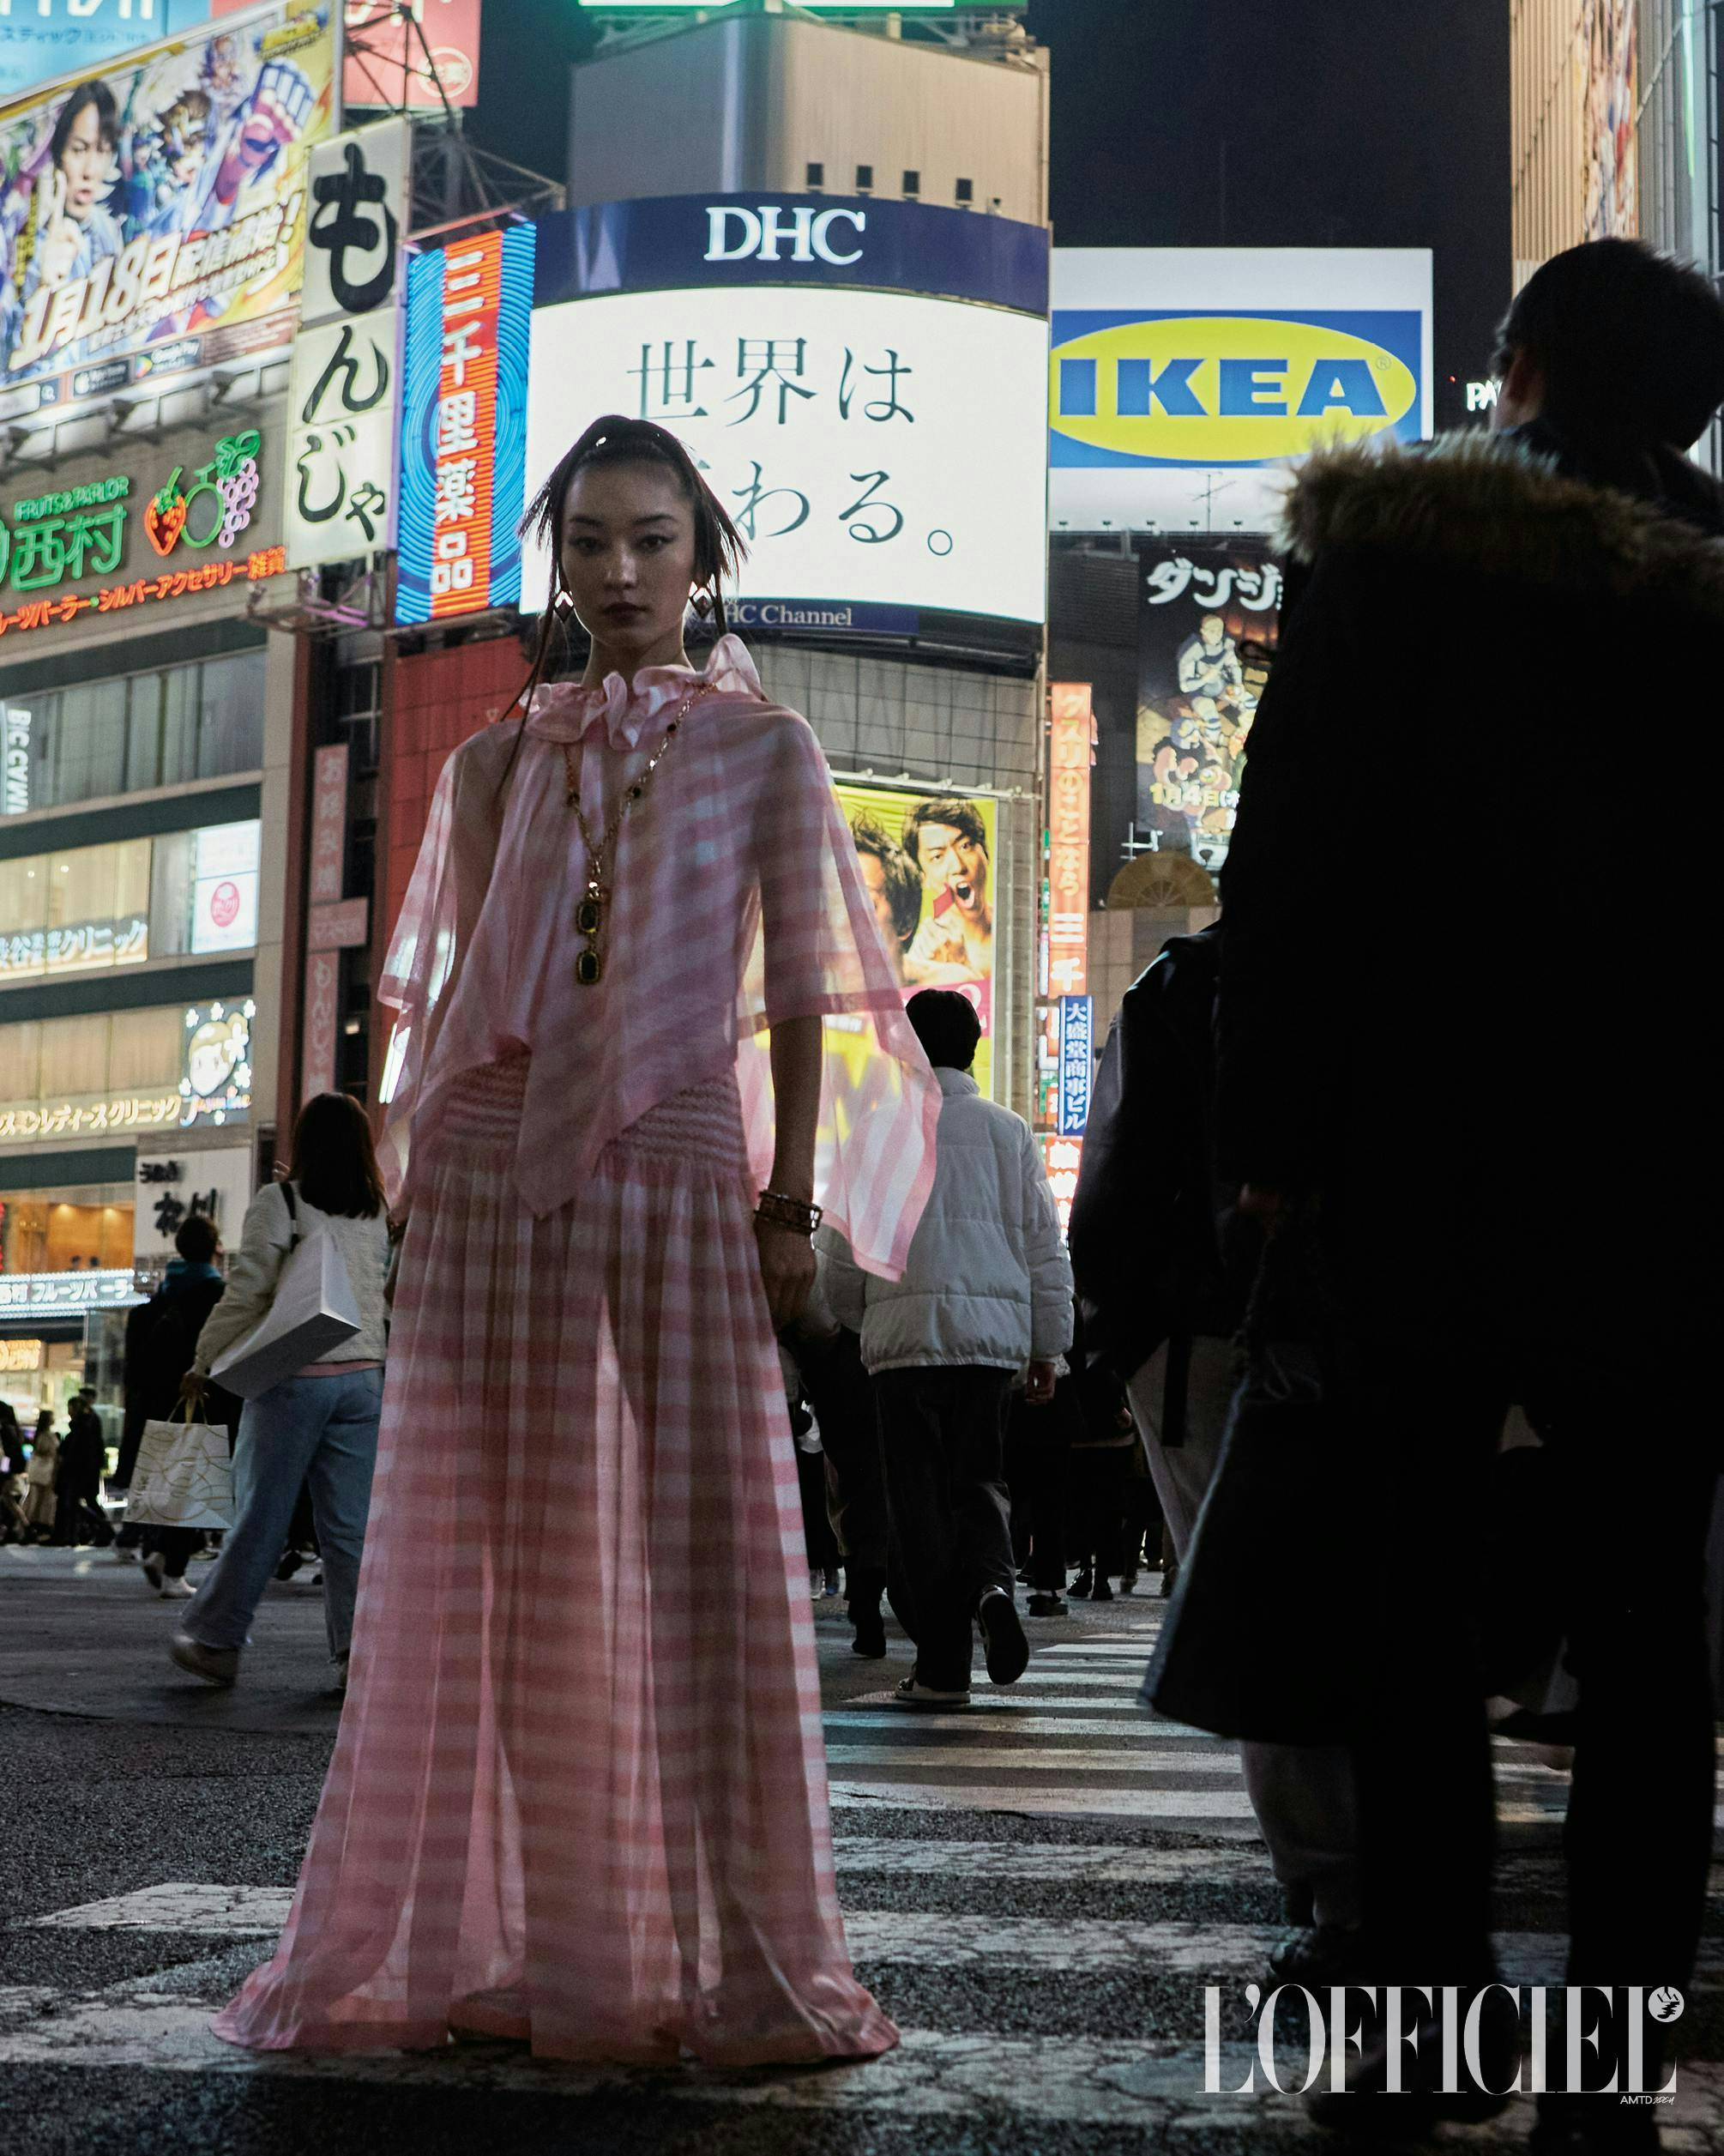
(910, 1694)
(290, 1562)
(155, 1569)
(121, 1553)
(1100, 1591)
(1079, 1587)
(871, 1634)
(1047, 1605)
(177, 1590)
(1128, 1582)
(1008, 1651)
(215, 1665)
(834, 1585)
(337, 1684)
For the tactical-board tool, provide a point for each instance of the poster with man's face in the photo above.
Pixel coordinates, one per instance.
(927, 859)
(1206, 616)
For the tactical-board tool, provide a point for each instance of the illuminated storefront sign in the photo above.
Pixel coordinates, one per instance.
(1071, 737)
(463, 432)
(190, 244)
(345, 394)
(92, 1290)
(224, 891)
(89, 1118)
(16, 1355)
(1076, 1063)
(1180, 379)
(73, 949)
(14, 793)
(143, 591)
(216, 1183)
(217, 1085)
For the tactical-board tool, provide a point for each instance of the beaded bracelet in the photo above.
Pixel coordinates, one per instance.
(784, 1211)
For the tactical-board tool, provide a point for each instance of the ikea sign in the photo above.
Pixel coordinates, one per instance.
(1183, 382)
(1218, 389)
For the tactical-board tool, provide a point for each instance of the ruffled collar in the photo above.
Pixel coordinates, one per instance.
(624, 711)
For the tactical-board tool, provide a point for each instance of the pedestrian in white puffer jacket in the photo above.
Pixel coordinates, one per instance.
(985, 1297)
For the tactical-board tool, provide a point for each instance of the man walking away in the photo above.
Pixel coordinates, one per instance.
(1457, 1099)
(986, 1295)
(78, 1478)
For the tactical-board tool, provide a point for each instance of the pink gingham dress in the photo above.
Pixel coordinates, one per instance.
(579, 1794)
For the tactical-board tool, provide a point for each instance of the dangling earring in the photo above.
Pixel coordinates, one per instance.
(562, 606)
(702, 602)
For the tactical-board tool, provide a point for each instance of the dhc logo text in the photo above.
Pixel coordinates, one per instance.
(804, 234)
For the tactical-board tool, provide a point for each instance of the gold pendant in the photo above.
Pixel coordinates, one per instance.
(589, 965)
(589, 917)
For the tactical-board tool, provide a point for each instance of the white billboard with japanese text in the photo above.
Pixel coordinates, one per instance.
(875, 447)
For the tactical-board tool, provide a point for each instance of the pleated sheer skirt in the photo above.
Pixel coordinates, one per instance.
(579, 1794)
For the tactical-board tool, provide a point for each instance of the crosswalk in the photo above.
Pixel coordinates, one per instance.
(1038, 1889)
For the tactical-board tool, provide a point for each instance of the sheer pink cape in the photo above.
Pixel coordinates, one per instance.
(737, 902)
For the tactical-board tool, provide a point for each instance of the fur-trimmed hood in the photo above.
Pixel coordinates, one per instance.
(1489, 503)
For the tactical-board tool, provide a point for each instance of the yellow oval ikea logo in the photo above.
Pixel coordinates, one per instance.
(1221, 390)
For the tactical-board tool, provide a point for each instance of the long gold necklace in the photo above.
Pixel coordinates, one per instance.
(590, 914)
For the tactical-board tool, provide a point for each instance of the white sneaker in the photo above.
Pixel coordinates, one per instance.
(155, 1569)
(177, 1590)
(120, 1555)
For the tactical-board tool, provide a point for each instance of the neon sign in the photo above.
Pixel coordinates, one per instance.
(177, 583)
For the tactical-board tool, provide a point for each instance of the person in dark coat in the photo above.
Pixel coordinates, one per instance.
(1475, 1089)
(161, 1342)
(78, 1515)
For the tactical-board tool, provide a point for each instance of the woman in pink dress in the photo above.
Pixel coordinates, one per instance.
(579, 1794)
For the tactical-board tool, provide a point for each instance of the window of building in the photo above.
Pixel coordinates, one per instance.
(138, 898)
(63, 1076)
(82, 1228)
(864, 178)
(817, 176)
(913, 182)
(96, 739)
(967, 191)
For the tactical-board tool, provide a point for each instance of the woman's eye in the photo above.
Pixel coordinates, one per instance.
(654, 543)
(583, 546)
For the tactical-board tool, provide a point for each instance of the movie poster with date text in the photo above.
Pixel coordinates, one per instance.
(152, 216)
(928, 857)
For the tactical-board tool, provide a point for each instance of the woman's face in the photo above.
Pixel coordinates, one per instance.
(627, 552)
(85, 161)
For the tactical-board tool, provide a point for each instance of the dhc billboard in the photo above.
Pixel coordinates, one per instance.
(1182, 381)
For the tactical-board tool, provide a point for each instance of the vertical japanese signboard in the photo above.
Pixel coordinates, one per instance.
(323, 967)
(1076, 1063)
(1070, 739)
(463, 433)
(345, 399)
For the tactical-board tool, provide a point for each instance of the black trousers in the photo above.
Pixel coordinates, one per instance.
(1430, 1383)
(1038, 1470)
(943, 1442)
(842, 1394)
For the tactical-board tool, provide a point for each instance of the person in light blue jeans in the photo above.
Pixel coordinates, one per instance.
(319, 1427)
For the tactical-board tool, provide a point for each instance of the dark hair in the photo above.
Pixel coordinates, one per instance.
(196, 1240)
(107, 117)
(945, 808)
(903, 879)
(334, 1161)
(946, 1025)
(1630, 342)
(615, 440)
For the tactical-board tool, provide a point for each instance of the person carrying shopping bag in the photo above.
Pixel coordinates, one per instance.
(319, 1425)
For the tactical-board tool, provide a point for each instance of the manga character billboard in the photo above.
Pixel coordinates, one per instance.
(152, 216)
(928, 859)
(1206, 616)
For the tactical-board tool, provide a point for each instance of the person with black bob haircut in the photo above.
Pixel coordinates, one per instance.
(318, 1426)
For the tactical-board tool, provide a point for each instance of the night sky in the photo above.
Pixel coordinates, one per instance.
(1210, 123)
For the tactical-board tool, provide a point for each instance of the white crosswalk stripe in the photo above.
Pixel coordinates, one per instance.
(1071, 1744)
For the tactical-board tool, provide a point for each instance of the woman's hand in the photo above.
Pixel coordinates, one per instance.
(193, 1389)
(786, 1269)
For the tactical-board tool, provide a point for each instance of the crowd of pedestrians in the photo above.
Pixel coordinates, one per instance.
(1344, 1215)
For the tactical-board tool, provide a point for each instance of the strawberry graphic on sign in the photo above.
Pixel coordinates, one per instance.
(163, 515)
